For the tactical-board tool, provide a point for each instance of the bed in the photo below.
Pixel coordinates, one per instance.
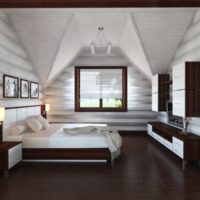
(54, 143)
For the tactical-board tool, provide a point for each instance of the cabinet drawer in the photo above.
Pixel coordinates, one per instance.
(159, 139)
(178, 74)
(177, 141)
(178, 147)
(14, 155)
(154, 135)
(167, 144)
(149, 132)
(149, 129)
(179, 103)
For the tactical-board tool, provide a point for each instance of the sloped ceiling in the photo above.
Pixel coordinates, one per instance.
(41, 32)
(81, 31)
(148, 37)
(131, 45)
(161, 33)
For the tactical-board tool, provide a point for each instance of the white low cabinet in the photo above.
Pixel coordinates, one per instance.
(185, 146)
(174, 144)
(14, 155)
(159, 139)
(178, 147)
(149, 129)
(10, 155)
(168, 144)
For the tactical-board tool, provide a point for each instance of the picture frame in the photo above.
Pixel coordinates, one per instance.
(10, 86)
(34, 90)
(24, 88)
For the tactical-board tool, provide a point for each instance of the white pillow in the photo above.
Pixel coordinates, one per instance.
(34, 124)
(43, 121)
(18, 129)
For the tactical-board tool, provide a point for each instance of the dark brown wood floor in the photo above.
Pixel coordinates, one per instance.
(146, 170)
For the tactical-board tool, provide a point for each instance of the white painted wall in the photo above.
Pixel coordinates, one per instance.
(189, 50)
(60, 94)
(14, 61)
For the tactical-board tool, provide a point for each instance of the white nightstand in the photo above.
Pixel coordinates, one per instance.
(10, 155)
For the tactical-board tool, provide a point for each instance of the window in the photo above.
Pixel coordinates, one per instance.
(101, 89)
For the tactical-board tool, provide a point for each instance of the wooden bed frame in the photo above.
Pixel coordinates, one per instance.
(61, 153)
(67, 154)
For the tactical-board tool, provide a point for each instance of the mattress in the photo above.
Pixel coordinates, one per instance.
(54, 137)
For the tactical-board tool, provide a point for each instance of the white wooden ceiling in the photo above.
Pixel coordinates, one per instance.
(54, 38)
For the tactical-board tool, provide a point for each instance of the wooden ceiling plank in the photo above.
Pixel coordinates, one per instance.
(96, 3)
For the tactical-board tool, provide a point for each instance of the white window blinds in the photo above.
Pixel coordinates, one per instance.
(101, 83)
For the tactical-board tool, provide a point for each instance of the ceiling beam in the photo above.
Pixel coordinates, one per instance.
(96, 3)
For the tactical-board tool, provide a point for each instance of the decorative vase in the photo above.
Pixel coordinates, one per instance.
(185, 127)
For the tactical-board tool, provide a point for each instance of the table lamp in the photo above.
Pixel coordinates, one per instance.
(2, 114)
(2, 118)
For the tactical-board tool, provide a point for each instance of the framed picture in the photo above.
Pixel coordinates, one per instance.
(34, 90)
(24, 88)
(10, 86)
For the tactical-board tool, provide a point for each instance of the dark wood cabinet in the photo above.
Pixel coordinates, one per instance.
(192, 75)
(192, 89)
(193, 103)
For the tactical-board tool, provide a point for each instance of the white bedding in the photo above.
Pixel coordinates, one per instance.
(113, 139)
(54, 137)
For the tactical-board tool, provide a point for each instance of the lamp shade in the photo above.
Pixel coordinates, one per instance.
(47, 107)
(2, 114)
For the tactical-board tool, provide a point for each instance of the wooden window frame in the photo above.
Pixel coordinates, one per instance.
(77, 90)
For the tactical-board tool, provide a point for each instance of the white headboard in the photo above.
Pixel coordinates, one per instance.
(18, 115)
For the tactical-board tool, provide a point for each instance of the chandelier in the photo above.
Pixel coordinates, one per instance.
(100, 42)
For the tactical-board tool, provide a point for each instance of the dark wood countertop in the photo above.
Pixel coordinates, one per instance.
(8, 145)
(171, 131)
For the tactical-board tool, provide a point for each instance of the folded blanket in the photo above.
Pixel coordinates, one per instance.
(113, 138)
(80, 130)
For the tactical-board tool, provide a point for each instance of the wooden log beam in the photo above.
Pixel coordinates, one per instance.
(96, 3)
